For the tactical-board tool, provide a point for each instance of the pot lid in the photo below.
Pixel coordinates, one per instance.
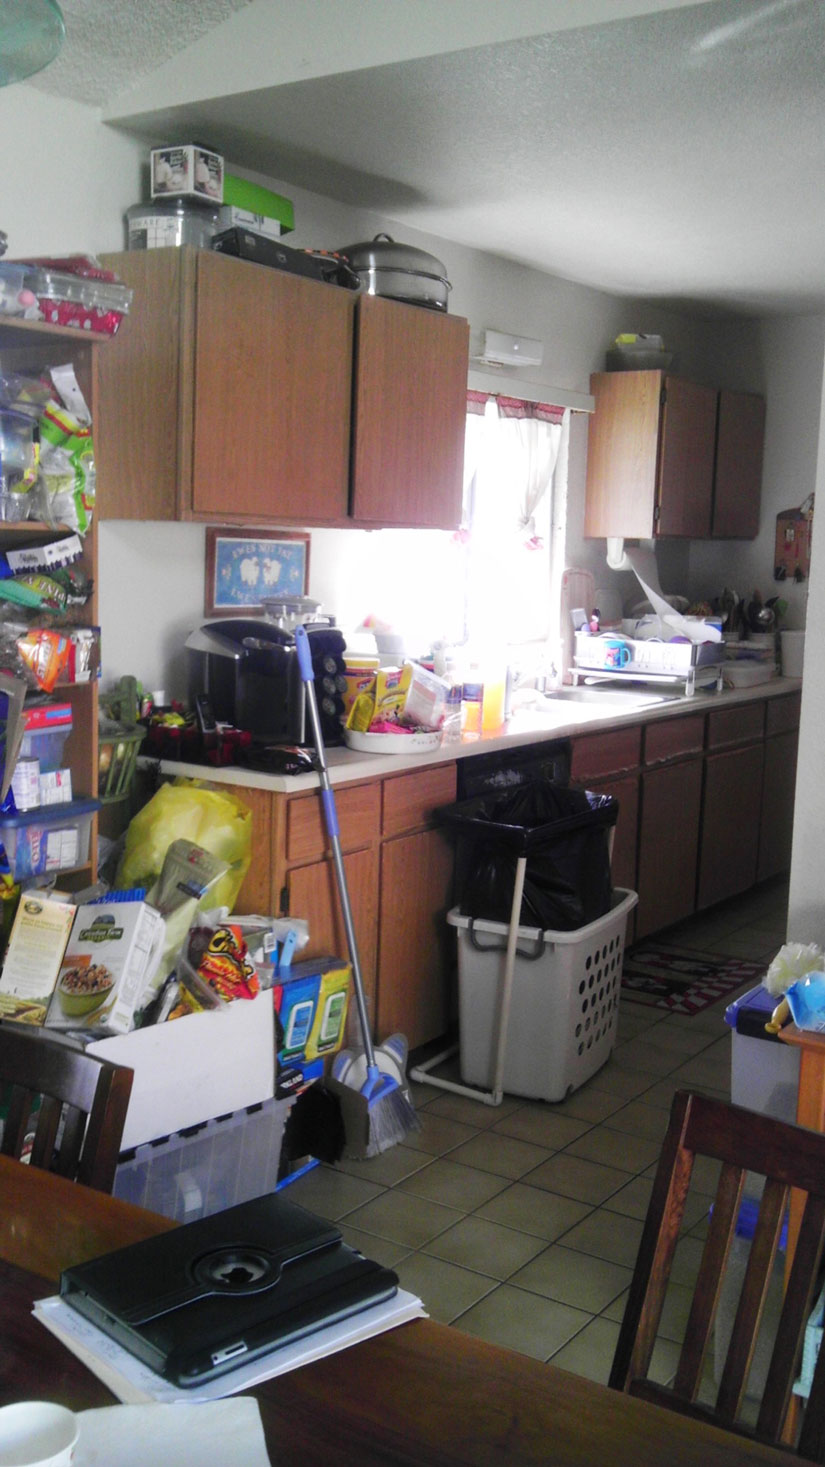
(383, 253)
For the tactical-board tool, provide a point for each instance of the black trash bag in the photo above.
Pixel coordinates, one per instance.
(564, 834)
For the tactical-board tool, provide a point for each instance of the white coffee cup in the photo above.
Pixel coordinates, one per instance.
(37, 1434)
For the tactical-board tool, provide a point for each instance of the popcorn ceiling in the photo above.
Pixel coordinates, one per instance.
(124, 40)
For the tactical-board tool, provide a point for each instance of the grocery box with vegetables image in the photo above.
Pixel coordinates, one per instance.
(110, 959)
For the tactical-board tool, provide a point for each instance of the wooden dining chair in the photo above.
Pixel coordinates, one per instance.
(77, 1128)
(786, 1156)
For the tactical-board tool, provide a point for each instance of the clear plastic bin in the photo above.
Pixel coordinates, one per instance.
(564, 1005)
(74, 300)
(47, 729)
(53, 838)
(207, 1168)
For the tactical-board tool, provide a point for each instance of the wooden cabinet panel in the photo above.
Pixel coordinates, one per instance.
(736, 725)
(778, 793)
(409, 414)
(605, 753)
(139, 431)
(273, 356)
(782, 714)
(674, 736)
(686, 459)
(256, 893)
(625, 789)
(415, 941)
(650, 448)
(730, 824)
(409, 799)
(622, 452)
(358, 808)
(313, 893)
(739, 450)
(671, 800)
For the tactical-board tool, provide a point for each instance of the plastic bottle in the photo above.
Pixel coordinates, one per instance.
(451, 727)
(472, 699)
(495, 684)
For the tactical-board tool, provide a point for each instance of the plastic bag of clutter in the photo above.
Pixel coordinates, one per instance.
(213, 820)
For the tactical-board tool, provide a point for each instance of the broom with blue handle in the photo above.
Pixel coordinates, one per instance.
(389, 1115)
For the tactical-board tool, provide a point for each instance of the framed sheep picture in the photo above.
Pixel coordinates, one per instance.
(245, 566)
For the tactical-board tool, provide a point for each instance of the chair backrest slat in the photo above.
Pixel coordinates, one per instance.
(751, 1306)
(709, 1281)
(71, 1104)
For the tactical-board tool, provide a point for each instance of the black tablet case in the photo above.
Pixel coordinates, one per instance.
(206, 1297)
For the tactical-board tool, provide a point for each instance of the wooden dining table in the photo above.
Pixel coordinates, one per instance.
(421, 1395)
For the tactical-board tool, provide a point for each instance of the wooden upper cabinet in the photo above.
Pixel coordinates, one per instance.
(739, 451)
(231, 397)
(650, 453)
(409, 412)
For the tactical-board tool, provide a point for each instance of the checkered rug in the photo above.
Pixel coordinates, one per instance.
(683, 981)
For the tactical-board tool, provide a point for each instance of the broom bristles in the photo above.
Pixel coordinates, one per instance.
(391, 1117)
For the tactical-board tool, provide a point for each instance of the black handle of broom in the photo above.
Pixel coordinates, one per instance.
(331, 820)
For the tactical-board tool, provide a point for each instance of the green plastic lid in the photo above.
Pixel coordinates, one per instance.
(244, 195)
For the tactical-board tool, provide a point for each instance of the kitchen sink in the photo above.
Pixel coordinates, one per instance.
(612, 697)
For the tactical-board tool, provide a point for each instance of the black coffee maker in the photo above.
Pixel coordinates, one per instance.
(247, 667)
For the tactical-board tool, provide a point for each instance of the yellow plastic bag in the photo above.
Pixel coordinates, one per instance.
(187, 810)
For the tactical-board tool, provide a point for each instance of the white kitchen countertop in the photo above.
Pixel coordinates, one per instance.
(554, 719)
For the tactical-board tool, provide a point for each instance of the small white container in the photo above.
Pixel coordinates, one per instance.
(186, 171)
(37, 1434)
(793, 653)
(564, 1004)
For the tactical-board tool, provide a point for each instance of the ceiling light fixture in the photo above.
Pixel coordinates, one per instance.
(31, 34)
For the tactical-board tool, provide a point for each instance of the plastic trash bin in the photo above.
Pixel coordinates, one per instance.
(764, 1071)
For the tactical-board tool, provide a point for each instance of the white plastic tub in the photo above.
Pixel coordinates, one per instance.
(564, 1006)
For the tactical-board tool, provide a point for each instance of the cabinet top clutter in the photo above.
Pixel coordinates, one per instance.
(244, 392)
(668, 457)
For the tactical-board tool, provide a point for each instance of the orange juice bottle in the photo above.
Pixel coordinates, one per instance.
(495, 684)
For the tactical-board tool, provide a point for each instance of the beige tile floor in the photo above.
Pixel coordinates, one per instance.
(520, 1223)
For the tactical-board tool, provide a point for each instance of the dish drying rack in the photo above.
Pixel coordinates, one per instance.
(689, 665)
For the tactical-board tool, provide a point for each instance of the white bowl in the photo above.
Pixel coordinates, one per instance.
(392, 743)
(37, 1434)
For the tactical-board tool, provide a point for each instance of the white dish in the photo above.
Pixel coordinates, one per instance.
(392, 743)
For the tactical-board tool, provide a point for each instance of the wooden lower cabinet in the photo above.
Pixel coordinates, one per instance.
(311, 892)
(415, 941)
(671, 802)
(778, 791)
(730, 824)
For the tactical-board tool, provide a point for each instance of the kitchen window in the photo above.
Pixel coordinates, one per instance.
(515, 506)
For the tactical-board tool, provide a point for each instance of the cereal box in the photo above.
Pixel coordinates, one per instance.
(111, 956)
(36, 946)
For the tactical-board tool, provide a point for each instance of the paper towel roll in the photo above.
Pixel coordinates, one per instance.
(643, 562)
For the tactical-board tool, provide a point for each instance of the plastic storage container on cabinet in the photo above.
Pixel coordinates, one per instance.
(49, 839)
(564, 1005)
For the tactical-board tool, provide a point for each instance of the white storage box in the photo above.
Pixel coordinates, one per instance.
(208, 1168)
(564, 1004)
(191, 1069)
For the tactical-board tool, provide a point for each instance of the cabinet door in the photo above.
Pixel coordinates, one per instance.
(312, 893)
(668, 844)
(686, 459)
(413, 960)
(730, 823)
(271, 409)
(622, 448)
(739, 448)
(409, 415)
(140, 446)
(778, 793)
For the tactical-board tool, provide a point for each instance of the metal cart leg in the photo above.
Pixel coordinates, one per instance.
(496, 1095)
